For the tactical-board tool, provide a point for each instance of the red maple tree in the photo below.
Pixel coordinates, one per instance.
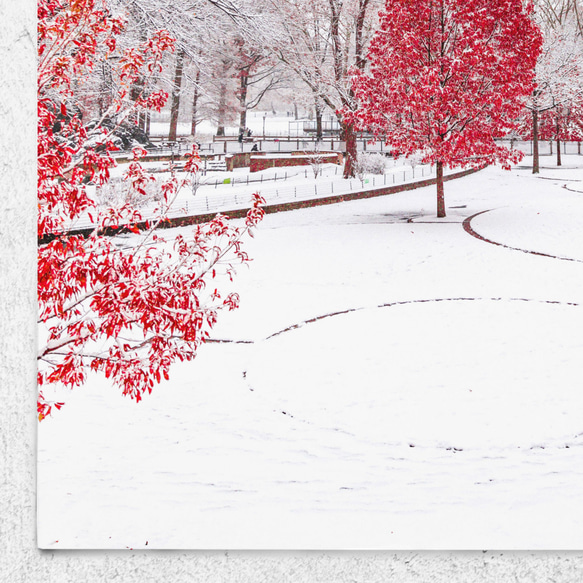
(447, 77)
(561, 124)
(128, 311)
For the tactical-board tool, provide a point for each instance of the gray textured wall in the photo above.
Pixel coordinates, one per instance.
(20, 561)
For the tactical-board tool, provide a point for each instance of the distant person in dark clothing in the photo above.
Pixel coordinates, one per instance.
(254, 148)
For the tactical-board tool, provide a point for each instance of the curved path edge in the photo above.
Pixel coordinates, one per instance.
(469, 229)
(385, 305)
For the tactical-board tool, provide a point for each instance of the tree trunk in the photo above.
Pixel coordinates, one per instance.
(105, 94)
(175, 107)
(222, 109)
(137, 117)
(243, 89)
(351, 152)
(535, 154)
(440, 191)
(558, 139)
(319, 132)
(194, 119)
(360, 53)
(137, 89)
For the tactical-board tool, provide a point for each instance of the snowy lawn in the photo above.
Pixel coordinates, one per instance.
(390, 381)
(227, 191)
(257, 121)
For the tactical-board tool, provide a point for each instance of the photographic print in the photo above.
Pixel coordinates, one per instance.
(310, 274)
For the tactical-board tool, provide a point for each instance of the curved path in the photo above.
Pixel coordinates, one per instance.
(567, 187)
(468, 229)
(394, 304)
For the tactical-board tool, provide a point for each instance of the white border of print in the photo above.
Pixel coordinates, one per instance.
(20, 560)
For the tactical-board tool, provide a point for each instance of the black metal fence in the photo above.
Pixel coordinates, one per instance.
(286, 144)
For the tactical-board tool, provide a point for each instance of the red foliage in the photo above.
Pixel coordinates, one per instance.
(128, 312)
(447, 77)
(561, 123)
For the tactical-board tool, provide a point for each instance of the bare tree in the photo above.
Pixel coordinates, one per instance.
(559, 71)
(322, 42)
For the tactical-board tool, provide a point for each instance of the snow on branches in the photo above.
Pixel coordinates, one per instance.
(555, 109)
(447, 77)
(127, 311)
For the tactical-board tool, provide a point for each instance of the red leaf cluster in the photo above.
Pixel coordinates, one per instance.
(449, 76)
(127, 311)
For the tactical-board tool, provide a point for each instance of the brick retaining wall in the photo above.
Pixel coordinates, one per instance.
(238, 160)
(258, 163)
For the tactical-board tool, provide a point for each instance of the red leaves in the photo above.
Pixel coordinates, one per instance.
(192, 160)
(256, 213)
(45, 407)
(125, 309)
(147, 57)
(135, 175)
(447, 77)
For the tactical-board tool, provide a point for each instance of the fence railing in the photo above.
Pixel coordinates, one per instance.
(545, 147)
(285, 144)
(206, 199)
(221, 201)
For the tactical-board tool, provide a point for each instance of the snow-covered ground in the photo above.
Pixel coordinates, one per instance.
(219, 191)
(259, 122)
(389, 381)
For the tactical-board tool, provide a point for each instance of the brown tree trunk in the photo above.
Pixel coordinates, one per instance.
(137, 88)
(558, 142)
(136, 91)
(351, 153)
(535, 154)
(440, 191)
(105, 94)
(222, 109)
(194, 118)
(319, 132)
(175, 107)
(360, 53)
(243, 89)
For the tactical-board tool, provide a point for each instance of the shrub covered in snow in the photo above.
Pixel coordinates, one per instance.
(117, 192)
(369, 163)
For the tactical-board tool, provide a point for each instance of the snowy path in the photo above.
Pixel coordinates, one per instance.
(390, 381)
